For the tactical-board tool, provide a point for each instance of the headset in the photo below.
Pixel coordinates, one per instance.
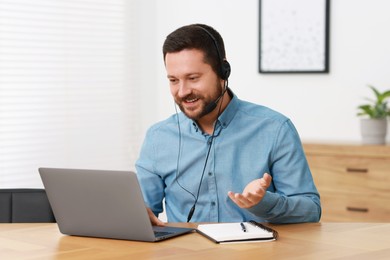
(223, 73)
(225, 69)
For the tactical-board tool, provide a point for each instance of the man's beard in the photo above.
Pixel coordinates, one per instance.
(205, 104)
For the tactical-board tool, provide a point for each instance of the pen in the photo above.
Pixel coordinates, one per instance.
(243, 228)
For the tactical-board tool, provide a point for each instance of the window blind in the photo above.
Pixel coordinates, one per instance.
(65, 93)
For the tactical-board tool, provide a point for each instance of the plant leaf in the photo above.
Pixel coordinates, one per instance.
(376, 92)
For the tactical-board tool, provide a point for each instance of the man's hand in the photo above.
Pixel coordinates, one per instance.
(253, 192)
(155, 221)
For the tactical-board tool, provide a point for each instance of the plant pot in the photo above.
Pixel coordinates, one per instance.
(373, 130)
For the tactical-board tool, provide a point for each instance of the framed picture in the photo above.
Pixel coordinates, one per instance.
(294, 36)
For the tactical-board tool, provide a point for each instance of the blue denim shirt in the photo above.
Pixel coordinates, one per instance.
(249, 141)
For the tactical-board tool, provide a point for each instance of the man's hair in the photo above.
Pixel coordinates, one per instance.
(195, 36)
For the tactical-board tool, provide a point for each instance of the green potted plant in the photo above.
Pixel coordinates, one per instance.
(373, 124)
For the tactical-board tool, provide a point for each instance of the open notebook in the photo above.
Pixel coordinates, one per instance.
(238, 232)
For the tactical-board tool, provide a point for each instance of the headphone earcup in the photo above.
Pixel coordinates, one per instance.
(225, 70)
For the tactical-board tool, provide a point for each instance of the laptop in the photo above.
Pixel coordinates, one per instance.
(99, 203)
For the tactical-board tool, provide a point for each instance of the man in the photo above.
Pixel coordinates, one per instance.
(222, 159)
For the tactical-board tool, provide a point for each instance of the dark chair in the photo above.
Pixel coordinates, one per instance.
(24, 206)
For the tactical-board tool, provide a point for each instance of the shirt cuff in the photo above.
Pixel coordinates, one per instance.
(263, 209)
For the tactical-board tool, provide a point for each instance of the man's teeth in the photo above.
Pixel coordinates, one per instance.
(191, 100)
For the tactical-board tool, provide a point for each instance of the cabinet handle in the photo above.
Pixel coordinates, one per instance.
(357, 170)
(355, 209)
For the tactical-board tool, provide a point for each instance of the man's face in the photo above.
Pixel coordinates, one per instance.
(193, 82)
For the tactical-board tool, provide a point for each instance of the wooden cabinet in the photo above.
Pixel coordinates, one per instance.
(353, 181)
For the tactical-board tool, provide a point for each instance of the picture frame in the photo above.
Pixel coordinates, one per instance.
(294, 36)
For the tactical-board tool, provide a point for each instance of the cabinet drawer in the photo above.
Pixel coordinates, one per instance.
(353, 181)
(354, 207)
(361, 175)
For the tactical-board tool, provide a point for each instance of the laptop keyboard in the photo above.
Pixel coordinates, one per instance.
(161, 233)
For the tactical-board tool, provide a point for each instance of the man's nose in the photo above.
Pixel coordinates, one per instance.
(184, 89)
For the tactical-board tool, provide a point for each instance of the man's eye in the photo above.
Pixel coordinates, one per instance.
(173, 80)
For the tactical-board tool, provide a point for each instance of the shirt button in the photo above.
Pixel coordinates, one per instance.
(212, 203)
(210, 174)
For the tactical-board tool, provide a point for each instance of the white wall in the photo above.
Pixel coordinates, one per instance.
(322, 106)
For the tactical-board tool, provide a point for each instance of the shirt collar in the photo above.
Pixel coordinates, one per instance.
(230, 111)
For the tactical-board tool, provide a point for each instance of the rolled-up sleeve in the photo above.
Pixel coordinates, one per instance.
(152, 185)
(292, 197)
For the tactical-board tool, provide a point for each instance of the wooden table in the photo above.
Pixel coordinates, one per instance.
(296, 241)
